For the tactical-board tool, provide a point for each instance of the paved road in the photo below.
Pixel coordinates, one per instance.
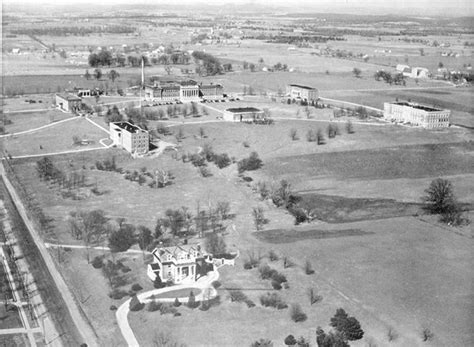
(88, 334)
(122, 312)
(99, 248)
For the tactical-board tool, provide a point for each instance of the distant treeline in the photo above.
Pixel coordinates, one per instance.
(76, 31)
(293, 39)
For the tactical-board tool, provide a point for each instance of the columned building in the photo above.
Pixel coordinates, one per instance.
(184, 91)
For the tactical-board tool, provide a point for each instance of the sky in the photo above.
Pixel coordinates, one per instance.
(463, 7)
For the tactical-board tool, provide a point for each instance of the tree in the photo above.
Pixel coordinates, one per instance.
(356, 71)
(348, 327)
(290, 340)
(293, 134)
(87, 75)
(329, 340)
(253, 162)
(258, 218)
(98, 74)
(439, 196)
(122, 239)
(202, 133)
(192, 300)
(88, 226)
(349, 127)
(144, 237)
(215, 244)
(113, 75)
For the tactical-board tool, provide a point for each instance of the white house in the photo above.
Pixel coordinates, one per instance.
(179, 264)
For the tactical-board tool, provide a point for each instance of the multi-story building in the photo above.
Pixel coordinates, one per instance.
(68, 102)
(179, 264)
(300, 93)
(130, 137)
(183, 91)
(416, 114)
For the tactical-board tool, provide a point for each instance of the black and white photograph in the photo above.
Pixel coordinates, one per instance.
(237, 173)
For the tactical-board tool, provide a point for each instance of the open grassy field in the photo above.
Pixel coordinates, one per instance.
(56, 138)
(369, 282)
(33, 120)
(458, 100)
(21, 103)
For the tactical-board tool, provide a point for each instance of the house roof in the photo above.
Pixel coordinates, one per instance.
(131, 128)
(302, 87)
(417, 106)
(243, 110)
(175, 251)
(69, 97)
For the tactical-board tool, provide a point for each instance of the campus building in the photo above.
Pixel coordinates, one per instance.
(182, 91)
(415, 114)
(130, 137)
(243, 114)
(179, 264)
(299, 93)
(68, 102)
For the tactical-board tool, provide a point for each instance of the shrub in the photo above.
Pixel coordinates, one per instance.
(273, 256)
(297, 314)
(272, 300)
(113, 308)
(117, 294)
(167, 308)
(204, 171)
(216, 284)
(136, 287)
(222, 160)
(153, 306)
(176, 303)
(427, 335)
(135, 304)
(287, 262)
(192, 303)
(97, 262)
(276, 285)
(157, 283)
(266, 272)
(311, 136)
(262, 343)
(290, 340)
(253, 162)
(237, 295)
(308, 268)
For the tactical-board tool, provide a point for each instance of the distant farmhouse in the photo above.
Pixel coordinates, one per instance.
(183, 91)
(299, 93)
(416, 72)
(68, 102)
(130, 137)
(415, 114)
(243, 114)
(179, 264)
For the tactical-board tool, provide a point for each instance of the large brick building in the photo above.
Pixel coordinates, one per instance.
(183, 91)
(416, 114)
(130, 137)
(299, 93)
(68, 102)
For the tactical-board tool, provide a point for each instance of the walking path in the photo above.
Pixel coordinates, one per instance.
(354, 104)
(122, 313)
(58, 153)
(97, 125)
(28, 111)
(40, 128)
(99, 248)
(88, 334)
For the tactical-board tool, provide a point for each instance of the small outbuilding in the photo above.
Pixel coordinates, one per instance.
(243, 114)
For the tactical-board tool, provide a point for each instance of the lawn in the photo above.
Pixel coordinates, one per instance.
(32, 120)
(17, 340)
(10, 318)
(180, 293)
(56, 138)
(453, 99)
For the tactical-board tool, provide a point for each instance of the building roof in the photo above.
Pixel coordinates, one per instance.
(131, 128)
(417, 106)
(302, 87)
(243, 110)
(69, 97)
(174, 251)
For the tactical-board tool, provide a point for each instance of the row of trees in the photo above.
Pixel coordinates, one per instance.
(98, 74)
(397, 78)
(208, 64)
